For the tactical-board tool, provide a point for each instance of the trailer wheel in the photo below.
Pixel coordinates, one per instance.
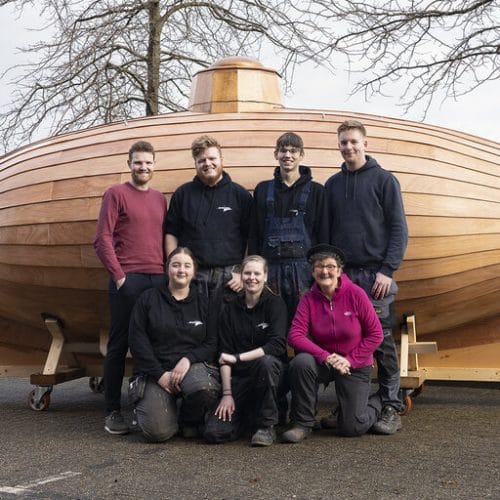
(38, 404)
(418, 390)
(407, 405)
(96, 385)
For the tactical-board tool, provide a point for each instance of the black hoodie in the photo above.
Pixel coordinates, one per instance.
(211, 221)
(163, 330)
(286, 199)
(265, 325)
(367, 217)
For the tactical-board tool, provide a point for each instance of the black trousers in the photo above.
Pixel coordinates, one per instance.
(357, 410)
(121, 303)
(255, 394)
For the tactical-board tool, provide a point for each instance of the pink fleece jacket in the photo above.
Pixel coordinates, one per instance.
(346, 325)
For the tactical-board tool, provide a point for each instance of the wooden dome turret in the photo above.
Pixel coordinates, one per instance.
(236, 85)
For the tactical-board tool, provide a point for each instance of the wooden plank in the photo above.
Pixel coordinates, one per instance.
(59, 233)
(440, 171)
(469, 341)
(83, 312)
(55, 277)
(57, 256)
(412, 380)
(56, 346)
(30, 235)
(403, 357)
(64, 375)
(422, 347)
(18, 370)
(83, 209)
(434, 225)
(462, 373)
(445, 246)
(449, 206)
(454, 308)
(445, 266)
(31, 193)
(473, 355)
(443, 284)
(434, 185)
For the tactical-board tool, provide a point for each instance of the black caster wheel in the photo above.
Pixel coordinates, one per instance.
(96, 385)
(38, 404)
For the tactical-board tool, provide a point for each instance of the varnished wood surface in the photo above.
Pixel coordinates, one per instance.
(50, 195)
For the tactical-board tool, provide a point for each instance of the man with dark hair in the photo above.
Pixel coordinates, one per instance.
(129, 243)
(368, 222)
(289, 215)
(210, 216)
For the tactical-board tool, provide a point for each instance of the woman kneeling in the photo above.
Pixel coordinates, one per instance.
(172, 336)
(335, 332)
(252, 341)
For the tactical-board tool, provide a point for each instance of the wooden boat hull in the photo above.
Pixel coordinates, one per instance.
(50, 195)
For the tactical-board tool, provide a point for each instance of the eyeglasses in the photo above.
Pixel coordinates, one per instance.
(292, 151)
(328, 267)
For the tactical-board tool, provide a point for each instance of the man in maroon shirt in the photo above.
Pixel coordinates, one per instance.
(129, 243)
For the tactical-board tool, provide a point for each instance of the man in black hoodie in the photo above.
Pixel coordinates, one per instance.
(368, 222)
(289, 215)
(210, 215)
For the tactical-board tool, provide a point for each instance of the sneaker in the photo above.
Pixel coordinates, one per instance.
(114, 423)
(265, 436)
(296, 434)
(388, 423)
(330, 421)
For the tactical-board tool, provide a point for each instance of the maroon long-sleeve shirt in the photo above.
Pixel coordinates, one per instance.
(129, 235)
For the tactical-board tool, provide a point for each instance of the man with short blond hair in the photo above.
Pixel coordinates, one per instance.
(368, 222)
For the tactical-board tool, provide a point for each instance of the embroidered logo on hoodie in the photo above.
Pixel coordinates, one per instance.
(195, 323)
(224, 209)
(263, 325)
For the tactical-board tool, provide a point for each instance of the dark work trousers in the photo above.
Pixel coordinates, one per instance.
(285, 245)
(290, 279)
(211, 279)
(121, 303)
(255, 394)
(386, 354)
(157, 412)
(357, 410)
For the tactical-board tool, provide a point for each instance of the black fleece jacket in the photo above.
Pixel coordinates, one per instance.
(286, 199)
(163, 330)
(211, 221)
(367, 217)
(242, 329)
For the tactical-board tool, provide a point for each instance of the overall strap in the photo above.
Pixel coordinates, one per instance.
(304, 194)
(270, 198)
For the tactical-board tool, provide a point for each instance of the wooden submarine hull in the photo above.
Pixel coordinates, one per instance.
(50, 195)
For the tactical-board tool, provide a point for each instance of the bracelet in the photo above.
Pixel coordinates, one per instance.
(238, 358)
(227, 393)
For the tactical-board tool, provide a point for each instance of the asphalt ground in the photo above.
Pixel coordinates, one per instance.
(449, 448)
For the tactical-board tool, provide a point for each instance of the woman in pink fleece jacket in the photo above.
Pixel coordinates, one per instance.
(334, 332)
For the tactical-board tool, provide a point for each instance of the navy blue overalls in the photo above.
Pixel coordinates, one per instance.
(286, 242)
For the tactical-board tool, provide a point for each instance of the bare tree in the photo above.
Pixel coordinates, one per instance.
(433, 48)
(111, 59)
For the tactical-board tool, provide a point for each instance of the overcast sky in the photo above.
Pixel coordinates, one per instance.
(313, 88)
